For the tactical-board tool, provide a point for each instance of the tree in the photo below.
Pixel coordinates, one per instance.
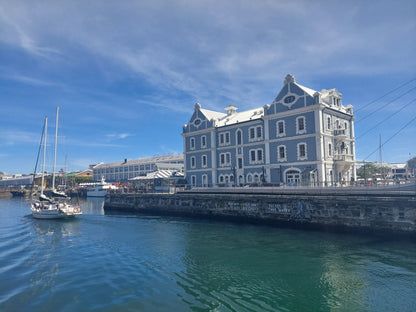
(411, 163)
(370, 169)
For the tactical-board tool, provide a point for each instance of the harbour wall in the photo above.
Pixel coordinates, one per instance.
(341, 211)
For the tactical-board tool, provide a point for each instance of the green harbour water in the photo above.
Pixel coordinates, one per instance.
(109, 262)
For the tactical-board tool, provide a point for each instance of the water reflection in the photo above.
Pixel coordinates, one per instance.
(57, 229)
(92, 205)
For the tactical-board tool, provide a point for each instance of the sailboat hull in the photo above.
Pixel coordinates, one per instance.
(52, 211)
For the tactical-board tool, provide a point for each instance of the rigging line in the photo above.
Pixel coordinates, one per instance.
(406, 83)
(389, 139)
(388, 103)
(388, 117)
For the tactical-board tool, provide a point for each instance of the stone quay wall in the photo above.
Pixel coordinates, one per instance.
(350, 212)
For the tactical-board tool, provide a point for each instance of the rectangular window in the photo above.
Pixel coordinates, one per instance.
(222, 159)
(329, 123)
(259, 132)
(330, 149)
(302, 150)
(282, 153)
(193, 162)
(204, 160)
(281, 127)
(225, 138)
(192, 143)
(240, 163)
(252, 133)
(260, 155)
(253, 155)
(204, 141)
(301, 124)
(227, 158)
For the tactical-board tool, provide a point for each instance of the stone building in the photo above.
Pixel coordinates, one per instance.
(304, 137)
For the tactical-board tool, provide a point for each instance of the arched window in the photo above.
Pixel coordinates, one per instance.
(239, 137)
(204, 180)
(293, 176)
(249, 178)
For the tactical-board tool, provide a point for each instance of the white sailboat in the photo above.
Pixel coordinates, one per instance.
(52, 207)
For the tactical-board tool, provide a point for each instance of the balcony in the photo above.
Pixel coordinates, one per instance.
(340, 133)
(344, 158)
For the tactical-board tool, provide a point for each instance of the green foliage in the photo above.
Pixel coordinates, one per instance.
(370, 170)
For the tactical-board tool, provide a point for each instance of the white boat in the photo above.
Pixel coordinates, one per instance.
(100, 189)
(52, 208)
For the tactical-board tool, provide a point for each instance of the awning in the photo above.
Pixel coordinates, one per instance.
(160, 174)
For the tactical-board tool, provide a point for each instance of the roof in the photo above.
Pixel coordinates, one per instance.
(222, 119)
(305, 89)
(142, 161)
(160, 174)
(209, 114)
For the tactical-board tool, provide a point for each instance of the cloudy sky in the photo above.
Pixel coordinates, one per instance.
(126, 74)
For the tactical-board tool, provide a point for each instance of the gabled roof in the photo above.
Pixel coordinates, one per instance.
(232, 117)
(305, 89)
(209, 114)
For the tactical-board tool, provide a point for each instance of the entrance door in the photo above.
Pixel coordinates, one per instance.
(293, 177)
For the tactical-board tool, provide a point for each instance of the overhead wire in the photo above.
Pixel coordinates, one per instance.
(385, 119)
(384, 95)
(389, 139)
(383, 106)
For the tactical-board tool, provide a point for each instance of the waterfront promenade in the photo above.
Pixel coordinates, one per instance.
(383, 209)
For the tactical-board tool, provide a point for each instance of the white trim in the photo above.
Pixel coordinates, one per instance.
(192, 143)
(303, 131)
(256, 158)
(193, 162)
(224, 136)
(226, 163)
(278, 134)
(204, 145)
(256, 136)
(202, 161)
(279, 159)
(236, 137)
(299, 157)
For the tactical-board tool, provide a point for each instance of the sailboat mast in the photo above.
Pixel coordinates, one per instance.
(54, 154)
(44, 155)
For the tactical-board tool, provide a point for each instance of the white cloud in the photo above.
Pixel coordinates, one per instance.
(210, 44)
(11, 137)
(117, 136)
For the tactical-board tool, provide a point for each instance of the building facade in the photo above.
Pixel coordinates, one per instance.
(303, 137)
(130, 168)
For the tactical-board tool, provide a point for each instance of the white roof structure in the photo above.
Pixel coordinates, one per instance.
(142, 161)
(160, 174)
(232, 117)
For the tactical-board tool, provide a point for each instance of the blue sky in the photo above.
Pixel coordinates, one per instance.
(126, 74)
